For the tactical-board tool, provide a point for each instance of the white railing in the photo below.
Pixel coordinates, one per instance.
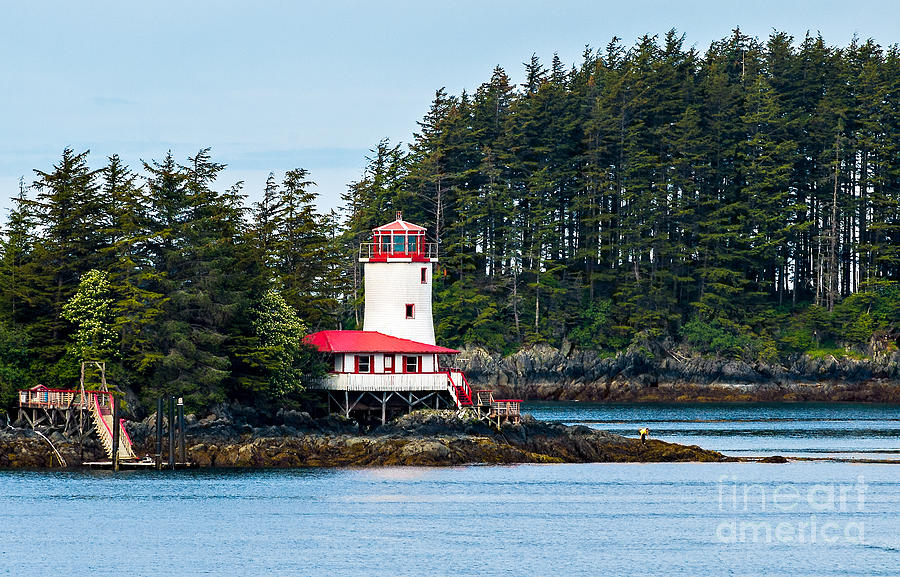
(369, 250)
(383, 382)
(484, 397)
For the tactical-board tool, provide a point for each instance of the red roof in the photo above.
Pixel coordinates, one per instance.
(399, 225)
(370, 342)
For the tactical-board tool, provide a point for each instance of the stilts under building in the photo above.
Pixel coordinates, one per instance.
(393, 364)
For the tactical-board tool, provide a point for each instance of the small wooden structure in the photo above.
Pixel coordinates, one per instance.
(66, 410)
(499, 410)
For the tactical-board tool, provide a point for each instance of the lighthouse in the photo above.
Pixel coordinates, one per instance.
(398, 269)
(394, 365)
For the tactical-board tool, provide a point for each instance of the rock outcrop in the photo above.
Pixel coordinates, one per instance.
(542, 372)
(424, 438)
(435, 438)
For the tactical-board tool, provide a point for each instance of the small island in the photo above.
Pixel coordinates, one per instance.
(236, 437)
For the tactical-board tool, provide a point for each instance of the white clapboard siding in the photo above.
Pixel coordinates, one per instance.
(390, 286)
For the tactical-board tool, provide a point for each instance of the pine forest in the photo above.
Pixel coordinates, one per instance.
(741, 200)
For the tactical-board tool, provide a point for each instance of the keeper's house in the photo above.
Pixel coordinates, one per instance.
(393, 364)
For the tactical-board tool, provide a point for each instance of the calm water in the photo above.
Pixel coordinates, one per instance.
(803, 518)
(826, 431)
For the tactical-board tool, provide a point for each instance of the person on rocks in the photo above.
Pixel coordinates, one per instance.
(644, 432)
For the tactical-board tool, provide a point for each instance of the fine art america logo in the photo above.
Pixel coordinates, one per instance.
(787, 513)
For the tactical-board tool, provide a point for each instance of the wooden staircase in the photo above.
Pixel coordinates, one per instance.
(103, 422)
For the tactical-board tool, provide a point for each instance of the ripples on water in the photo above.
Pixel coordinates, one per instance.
(562, 520)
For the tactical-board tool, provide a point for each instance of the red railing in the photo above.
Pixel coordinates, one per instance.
(46, 398)
(125, 431)
(461, 390)
(99, 409)
(375, 251)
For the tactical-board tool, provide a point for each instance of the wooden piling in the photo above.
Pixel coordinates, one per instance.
(172, 433)
(181, 429)
(115, 432)
(159, 433)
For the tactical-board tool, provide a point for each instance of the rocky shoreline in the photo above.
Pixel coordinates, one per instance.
(546, 373)
(423, 438)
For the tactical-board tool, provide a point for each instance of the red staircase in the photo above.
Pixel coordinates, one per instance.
(459, 388)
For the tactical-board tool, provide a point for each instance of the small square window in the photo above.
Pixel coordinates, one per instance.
(424, 275)
(363, 364)
(411, 364)
(410, 311)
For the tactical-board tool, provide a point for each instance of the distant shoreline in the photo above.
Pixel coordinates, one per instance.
(545, 373)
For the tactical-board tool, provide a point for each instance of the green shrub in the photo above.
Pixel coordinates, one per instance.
(715, 337)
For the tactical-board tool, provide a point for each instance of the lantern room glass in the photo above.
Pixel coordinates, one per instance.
(399, 243)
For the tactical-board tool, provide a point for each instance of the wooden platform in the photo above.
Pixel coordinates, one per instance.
(135, 465)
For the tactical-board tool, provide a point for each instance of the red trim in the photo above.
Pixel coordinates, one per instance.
(400, 225)
(124, 432)
(42, 389)
(102, 420)
(418, 370)
(371, 364)
(424, 275)
(382, 257)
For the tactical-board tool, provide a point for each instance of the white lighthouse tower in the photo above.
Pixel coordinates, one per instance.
(398, 278)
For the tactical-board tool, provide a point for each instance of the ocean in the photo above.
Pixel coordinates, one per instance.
(837, 513)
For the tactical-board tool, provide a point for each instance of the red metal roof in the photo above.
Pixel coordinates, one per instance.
(370, 342)
(399, 225)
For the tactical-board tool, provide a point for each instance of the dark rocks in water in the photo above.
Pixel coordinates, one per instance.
(24, 449)
(433, 438)
(542, 372)
(422, 438)
(773, 459)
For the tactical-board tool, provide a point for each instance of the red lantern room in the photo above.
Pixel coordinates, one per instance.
(398, 241)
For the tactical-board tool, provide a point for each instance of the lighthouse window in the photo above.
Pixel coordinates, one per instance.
(410, 310)
(385, 243)
(399, 243)
(424, 275)
(411, 243)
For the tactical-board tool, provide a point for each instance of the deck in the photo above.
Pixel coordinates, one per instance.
(387, 393)
(387, 382)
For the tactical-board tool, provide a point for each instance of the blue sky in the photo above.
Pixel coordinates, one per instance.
(272, 86)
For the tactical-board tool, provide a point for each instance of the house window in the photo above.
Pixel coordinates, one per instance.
(363, 363)
(389, 363)
(410, 364)
(424, 275)
(410, 311)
